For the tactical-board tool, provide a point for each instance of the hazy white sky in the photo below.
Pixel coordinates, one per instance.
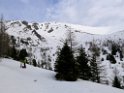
(84, 12)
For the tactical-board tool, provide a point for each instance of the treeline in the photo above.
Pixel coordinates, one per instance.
(4, 40)
(70, 68)
(10, 48)
(7, 46)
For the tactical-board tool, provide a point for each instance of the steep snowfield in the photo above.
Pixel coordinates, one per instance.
(14, 79)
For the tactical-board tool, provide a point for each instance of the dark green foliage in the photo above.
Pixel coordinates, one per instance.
(95, 71)
(84, 69)
(121, 55)
(108, 57)
(111, 58)
(34, 62)
(102, 59)
(114, 49)
(94, 49)
(104, 51)
(22, 57)
(116, 82)
(4, 40)
(14, 53)
(13, 40)
(65, 65)
(4, 44)
(23, 53)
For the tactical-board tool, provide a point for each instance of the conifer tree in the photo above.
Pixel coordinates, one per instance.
(70, 38)
(111, 58)
(22, 57)
(93, 66)
(82, 60)
(23, 53)
(4, 39)
(121, 55)
(116, 82)
(95, 70)
(94, 48)
(13, 53)
(114, 48)
(34, 62)
(65, 65)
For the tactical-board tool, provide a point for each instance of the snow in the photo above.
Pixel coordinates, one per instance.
(53, 40)
(14, 79)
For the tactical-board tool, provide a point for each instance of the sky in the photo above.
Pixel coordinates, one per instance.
(83, 12)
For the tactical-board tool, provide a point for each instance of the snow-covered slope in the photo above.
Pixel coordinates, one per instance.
(42, 40)
(45, 38)
(14, 79)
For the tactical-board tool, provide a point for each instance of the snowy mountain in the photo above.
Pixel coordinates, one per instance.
(49, 36)
(35, 80)
(42, 40)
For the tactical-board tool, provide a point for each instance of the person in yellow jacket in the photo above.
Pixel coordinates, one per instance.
(23, 63)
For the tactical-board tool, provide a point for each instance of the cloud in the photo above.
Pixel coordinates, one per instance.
(30, 10)
(84, 12)
(88, 12)
(25, 1)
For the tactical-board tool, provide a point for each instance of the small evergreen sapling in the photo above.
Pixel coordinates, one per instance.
(116, 82)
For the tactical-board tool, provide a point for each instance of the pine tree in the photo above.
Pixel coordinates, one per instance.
(111, 58)
(71, 40)
(22, 57)
(121, 55)
(95, 71)
(93, 66)
(4, 39)
(23, 53)
(94, 48)
(34, 62)
(114, 48)
(13, 53)
(65, 65)
(84, 69)
(116, 82)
